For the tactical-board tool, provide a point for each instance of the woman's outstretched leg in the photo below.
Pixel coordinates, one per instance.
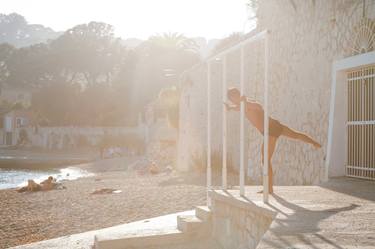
(299, 136)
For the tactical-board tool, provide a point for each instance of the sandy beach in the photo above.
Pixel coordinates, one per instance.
(30, 217)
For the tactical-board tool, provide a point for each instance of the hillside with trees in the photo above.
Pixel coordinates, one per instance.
(15, 30)
(87, 77)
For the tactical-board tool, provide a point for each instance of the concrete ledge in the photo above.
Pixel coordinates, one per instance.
(203, 212)
(140, 240)
(243, 203)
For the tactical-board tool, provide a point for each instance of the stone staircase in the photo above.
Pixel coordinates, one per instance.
(189, 229)
(198, 224)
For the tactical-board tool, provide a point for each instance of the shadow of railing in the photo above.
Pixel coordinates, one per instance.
(299, 222)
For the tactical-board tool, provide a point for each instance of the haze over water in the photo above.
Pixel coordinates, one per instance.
(11, 178)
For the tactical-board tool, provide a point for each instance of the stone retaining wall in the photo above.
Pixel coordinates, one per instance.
(73, 137)
(238, 223)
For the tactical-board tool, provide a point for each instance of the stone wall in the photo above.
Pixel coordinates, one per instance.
(306, 37)
(73, 137)
(236, 223)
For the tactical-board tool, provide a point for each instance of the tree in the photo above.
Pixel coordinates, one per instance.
(161, 60)
(29, 66)
(56, 104)
(15, 30)
(6, 51)
(90, 50)
(87, 77)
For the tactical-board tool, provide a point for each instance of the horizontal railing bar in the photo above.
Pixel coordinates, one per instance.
(258, 36)
(368, 122)
(362, 168)
(362, 77)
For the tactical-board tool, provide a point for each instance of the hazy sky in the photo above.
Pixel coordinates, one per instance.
(138, 18)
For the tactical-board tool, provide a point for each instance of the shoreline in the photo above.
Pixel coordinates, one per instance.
(35, 216)
(19, 178)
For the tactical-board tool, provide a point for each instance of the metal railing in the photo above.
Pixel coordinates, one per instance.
(361, 123)
(223, 56)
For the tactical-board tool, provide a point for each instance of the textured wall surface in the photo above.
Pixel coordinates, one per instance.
(237, 226)
(305, 40)
(68, 137)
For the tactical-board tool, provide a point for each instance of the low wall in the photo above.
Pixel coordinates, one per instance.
(73, 137)
(238, 222)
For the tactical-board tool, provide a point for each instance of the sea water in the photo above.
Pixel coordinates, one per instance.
(10, 178)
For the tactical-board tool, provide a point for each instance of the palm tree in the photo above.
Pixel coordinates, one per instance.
(174, 41)
(160, 61)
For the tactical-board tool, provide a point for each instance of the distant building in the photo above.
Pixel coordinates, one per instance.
(12, 121)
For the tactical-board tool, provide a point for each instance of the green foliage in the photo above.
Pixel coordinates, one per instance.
(6, 52)
(88, 50)
(253, 4)
(169, 99)
(23, 137)
(15, 30)
(87, 77)
(199, 162)
(161, 60)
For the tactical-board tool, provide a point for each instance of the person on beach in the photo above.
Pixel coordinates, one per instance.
(48, 184)
(45, 185)
(32, 186)
(255, 114)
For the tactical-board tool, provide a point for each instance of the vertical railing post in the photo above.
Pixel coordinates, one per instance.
(242, 121)
(266, 123)
(208, 132)
(224, 168)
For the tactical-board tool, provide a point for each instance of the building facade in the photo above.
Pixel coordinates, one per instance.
(306, 38)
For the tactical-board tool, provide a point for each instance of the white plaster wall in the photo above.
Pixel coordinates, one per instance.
(304, 42)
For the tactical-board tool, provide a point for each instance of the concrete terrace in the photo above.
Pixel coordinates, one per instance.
(339, 214)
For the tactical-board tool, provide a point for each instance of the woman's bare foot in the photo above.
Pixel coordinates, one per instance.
(317, 145)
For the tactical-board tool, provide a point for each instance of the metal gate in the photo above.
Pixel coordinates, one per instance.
(361, 124)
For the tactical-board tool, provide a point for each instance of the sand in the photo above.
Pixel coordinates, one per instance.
(31, 217)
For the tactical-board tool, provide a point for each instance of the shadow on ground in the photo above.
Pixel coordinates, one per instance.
(364, 189)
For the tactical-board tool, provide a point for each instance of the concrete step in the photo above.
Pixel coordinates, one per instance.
(190, 224)
(203, 212)
(186, 228)
(159, 231)
(140, 240)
